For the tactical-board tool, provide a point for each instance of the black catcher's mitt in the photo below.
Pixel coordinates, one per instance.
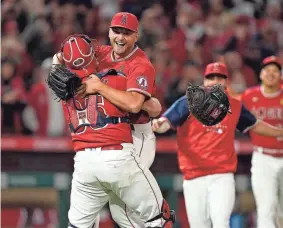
(63, 82)
(209, 104)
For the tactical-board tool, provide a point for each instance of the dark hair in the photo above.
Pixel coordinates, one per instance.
(216, 75)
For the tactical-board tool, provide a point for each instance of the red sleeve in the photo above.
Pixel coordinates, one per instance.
(244, 98)
(141, 79)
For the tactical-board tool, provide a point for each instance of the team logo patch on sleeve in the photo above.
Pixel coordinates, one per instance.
(142, 82)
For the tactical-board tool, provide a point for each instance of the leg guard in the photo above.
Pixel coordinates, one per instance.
(166, 214)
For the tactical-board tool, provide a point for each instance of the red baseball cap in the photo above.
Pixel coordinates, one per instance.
(272, 60)
(216, 68)
(125, 20)
(78, 52)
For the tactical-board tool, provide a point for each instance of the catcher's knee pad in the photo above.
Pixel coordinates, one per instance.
(166, 214)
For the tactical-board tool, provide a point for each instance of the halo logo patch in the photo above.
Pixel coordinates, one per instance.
(142, 82)
(124, 19)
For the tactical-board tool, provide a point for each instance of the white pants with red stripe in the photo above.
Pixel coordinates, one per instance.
(266, 184)
(145, 146)
(100, 175)
(210, 200)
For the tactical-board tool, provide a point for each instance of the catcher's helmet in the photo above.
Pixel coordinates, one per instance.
(78, 52)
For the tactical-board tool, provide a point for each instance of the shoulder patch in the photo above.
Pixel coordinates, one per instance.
(142, 82)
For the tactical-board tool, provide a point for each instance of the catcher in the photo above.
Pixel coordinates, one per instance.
(206, 153)
(102, 138)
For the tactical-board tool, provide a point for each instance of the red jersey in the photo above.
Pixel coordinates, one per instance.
(205, 150)
(268, 108)
(139, 71)
(86, 118)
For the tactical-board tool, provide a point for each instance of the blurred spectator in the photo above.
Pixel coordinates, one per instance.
(267, 39)
(44, 116)
(38, 37)
(274, 14)
(154, 27)
(172, 32)
(261, 45)
(13, 99)
(14, 10)
(235, 63)
(188, 32)
(191, 74)
(241, 35)
(107, 7)
(242, 7)
(135, 6)
(165, 68)
(65, 23)
(217, 35)
(14, 49)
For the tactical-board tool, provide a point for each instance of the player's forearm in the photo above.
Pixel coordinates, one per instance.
(152, 107)
(128, 101)
(266, 129)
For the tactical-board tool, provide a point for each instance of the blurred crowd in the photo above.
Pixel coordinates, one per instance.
(179, 36)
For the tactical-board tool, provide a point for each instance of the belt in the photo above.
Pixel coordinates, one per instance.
(112, 147)
(141, 128)
(272, 152)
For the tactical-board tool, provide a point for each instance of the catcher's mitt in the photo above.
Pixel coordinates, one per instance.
(63, 82)
(209, 105)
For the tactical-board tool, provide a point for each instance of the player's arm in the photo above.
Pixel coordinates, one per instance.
(175, 116)
(265, 129)
(129, 101)
(152, 107)
(248, 122)
(140, 81)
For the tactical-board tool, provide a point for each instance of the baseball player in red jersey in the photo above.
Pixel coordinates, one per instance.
(207, 156)
(152, 190)
(266, 103)
(125, 56)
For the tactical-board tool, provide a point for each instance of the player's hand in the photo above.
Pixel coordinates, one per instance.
(57, 58)
(160, 125)
(90, 86)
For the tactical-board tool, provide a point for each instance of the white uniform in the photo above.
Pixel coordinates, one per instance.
(265, 179)
(145, 146)
(210, 198)
(103, 174)
(267, 160)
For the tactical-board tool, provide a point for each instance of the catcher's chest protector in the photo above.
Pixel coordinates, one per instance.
(95, 111)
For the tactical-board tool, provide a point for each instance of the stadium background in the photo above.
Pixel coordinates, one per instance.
(179, 36)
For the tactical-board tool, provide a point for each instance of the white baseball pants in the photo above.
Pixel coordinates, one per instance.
(265, 183)
(145, 146)
(103, 174)
(210, 200)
